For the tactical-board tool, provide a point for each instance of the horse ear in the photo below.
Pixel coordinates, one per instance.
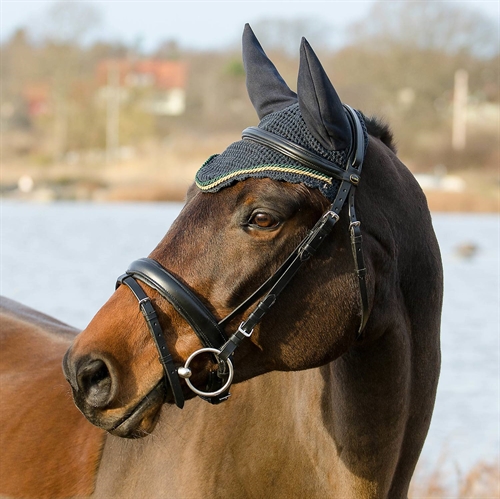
(266, 88)
(319, 103)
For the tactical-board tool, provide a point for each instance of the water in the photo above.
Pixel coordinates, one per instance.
(63, 259)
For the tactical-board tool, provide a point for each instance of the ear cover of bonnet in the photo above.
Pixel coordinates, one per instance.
(314, 118)
(266, 88)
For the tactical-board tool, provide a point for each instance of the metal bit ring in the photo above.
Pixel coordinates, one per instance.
(227, 384)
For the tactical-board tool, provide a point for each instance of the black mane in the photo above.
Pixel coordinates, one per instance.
(380, 130)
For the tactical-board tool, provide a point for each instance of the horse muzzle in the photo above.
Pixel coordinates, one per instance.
(95, 386)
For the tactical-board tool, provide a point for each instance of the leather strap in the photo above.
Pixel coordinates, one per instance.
(294, 151)
(359, 143)
(201, 319)
(306, 248)
(277, 282)
(154, 327)
(354, 226)
(359, 262)
(191, 309)
(182, 299)
(304, 251)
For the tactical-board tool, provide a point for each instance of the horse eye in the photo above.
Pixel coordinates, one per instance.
(264, 220)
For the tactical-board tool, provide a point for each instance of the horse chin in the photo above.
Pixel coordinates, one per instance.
(142, 419)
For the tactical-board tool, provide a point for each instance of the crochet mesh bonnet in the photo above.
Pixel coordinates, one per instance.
(314, 119)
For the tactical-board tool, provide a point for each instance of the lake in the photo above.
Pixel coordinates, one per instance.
(63, 259)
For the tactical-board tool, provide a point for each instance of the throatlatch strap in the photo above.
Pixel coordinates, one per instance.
(154, 327)
(359, 261)
(354, 226)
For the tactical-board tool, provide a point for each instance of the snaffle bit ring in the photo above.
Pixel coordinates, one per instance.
(185, 372)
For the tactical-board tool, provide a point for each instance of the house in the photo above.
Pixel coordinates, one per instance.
(37, 98)
(165, 82)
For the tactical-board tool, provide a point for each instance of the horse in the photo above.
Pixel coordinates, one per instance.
(40, 425)
(313, 335)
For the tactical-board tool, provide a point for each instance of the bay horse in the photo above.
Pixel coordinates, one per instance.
(267, 287)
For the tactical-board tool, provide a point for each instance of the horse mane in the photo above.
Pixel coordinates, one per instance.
(377, 128)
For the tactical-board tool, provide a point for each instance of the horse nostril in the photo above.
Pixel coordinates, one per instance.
(94, 381)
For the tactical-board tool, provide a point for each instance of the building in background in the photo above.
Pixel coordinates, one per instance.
(163, 83)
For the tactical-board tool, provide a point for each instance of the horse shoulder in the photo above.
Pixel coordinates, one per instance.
(40, 426)
(264, 440)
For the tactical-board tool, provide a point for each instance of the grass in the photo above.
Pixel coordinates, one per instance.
(482, 481)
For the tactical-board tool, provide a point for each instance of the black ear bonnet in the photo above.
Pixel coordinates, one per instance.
(326, 133)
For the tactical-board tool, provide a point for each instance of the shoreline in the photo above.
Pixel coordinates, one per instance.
(479, 191)
(467, 201)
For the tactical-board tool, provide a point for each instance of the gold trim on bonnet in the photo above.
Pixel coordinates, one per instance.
(274, 168)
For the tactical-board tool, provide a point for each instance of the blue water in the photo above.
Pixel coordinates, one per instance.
(63, 259)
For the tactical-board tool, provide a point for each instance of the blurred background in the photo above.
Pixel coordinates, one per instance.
(105, 100)
(123, 101)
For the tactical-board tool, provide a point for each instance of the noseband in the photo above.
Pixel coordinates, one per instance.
(212, 332)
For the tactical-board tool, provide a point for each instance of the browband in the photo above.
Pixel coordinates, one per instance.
(310, 159)
(294, 151)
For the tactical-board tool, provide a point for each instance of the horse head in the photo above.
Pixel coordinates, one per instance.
(252, 212)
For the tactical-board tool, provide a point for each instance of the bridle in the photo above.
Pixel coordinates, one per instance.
(212, 332)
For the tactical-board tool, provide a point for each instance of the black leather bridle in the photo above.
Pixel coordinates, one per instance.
(212, 332)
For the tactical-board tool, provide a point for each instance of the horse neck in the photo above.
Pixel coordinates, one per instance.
(310, 433)
(273, 425)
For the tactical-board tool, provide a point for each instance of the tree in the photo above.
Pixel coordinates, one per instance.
(284, 35)
(401, 62)
(68, 22)
(427, 25)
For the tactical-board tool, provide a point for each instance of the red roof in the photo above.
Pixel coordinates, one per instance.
(36, 96)
(164, 75)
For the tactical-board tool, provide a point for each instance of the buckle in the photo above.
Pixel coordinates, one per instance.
(243, 332)
(332, 214)
(357, 223)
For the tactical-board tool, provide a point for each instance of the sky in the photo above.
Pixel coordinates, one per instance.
(201, 24)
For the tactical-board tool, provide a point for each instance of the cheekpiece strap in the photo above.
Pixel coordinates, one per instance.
(350, 178)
